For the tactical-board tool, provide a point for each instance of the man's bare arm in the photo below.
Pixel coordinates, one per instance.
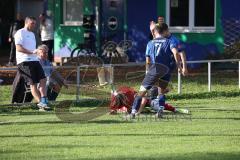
(147, 63)
(184, 64)
(177, 59)
(20, 48)
(143, 104)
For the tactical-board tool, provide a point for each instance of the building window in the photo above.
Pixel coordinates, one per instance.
(191, 15)
(204, 13)
(73, 12)
(179, 13)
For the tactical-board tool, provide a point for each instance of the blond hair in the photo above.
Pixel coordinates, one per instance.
(43, 47)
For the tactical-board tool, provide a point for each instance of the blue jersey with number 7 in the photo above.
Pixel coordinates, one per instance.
(159, 51)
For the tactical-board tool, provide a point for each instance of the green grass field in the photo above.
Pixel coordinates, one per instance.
(212, 133)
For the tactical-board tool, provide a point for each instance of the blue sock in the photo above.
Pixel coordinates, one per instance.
(162, 99)
(136, 104)
(44, 100)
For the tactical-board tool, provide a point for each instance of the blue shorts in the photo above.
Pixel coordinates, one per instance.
(150, 80)
(167, 77)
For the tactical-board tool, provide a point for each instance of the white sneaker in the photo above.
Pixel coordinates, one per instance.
(103, 84)
(42, 105)
(184, 111)
(1, 81)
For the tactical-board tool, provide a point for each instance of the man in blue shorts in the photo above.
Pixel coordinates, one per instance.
(164, 80)
(159, 62)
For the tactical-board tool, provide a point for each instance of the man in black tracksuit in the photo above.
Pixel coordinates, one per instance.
(16, 25)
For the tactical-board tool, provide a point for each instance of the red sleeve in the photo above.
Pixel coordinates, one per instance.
(129, 92)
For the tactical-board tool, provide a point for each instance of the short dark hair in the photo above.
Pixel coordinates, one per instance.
(28, 18)
(43, 14)
(120, 99)
(160, 28)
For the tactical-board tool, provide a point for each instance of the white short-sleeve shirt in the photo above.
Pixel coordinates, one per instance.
(27, 40)
(47, 32)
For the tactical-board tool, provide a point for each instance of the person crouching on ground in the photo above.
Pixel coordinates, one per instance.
(54, 79)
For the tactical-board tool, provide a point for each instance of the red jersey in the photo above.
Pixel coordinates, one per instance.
(129, 94)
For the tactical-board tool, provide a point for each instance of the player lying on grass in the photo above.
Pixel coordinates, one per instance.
(159, 65)
(122, 100)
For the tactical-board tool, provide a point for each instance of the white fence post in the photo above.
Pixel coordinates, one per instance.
(209, 76)
(112, 67)
(179, 83)
(78, 84)
(239, 74)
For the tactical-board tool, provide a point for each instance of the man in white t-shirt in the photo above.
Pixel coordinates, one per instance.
(28, 64)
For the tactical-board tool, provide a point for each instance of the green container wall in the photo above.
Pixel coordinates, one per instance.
(65, 34)
(72, 35)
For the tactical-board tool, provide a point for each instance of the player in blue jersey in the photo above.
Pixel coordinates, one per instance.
(176, 41)
(159, 62)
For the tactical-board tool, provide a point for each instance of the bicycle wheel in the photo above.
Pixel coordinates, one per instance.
(74, 50)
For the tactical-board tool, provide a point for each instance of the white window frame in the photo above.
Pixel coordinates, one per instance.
(69, 23)
(190, 28)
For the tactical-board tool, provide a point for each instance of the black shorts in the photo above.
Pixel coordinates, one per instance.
(32, 72)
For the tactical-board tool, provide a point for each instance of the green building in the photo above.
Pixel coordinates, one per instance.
(204, 26)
